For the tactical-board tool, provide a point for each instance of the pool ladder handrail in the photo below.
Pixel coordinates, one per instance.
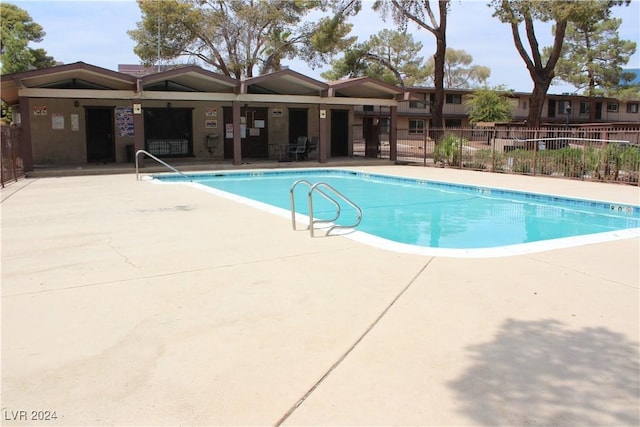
(318, 187)
(159, 161)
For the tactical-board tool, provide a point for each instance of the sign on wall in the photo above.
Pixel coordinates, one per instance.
(75, 122)
(57, 121)
(40, 110)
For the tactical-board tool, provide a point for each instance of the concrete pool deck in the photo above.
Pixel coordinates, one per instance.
(128, 303)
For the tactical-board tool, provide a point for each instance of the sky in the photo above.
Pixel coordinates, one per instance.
(95, 32)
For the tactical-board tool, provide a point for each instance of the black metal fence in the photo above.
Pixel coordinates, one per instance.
(11, 155)
(599, 154)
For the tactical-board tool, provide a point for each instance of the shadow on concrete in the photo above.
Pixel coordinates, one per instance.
(543, 373)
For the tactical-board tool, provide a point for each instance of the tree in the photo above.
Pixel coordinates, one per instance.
(541, 66)
(518, 11)
(593, 55)
(390, 56)
(458, 70)
(421, 13)
(17, 30)
(236, 37)
(489, 105)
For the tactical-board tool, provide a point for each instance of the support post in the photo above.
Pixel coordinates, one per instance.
(138, 131)
(393, 134)
(322, 133)
(237, 141)
(25, 124)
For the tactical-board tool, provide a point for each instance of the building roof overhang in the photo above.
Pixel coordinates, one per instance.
(192, 78)
(82, 80)
(77, 74)
(364, 87)
(283, 82)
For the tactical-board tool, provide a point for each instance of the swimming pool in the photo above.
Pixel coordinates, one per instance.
(420, 216)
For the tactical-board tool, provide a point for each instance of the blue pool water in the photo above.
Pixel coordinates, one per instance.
(433, 214)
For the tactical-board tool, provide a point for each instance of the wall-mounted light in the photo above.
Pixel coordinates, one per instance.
(76, 103)
(168, 105)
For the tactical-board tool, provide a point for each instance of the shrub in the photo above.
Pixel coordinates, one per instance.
(630, 162)
(447, 150)
(522, 161)
(571, 158)
(480, 159)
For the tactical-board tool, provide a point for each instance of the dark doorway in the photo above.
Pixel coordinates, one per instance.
(100, 140)
(339, 133)
(552, 108)
(371, 137)
(598, 110)
(298, 124)
(253, 133)
(168, 131)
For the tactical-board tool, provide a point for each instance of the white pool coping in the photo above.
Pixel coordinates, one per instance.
(381, 243)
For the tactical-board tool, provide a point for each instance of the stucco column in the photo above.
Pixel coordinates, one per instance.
(393, 134)
(237, 141)
(25, 125)
(138, 131)
(322, 133)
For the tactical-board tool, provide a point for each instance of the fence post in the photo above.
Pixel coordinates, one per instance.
(493, 149)
(583, 169)
(424, 149)
(460, 150)
(536, 147)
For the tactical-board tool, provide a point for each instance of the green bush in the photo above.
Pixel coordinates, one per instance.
(630, 162)
(522, 160)
(547, 162)
(571, 158)
(593, 160)
(447, 150)
(480, 159)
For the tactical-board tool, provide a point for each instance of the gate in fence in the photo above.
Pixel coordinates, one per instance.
(11, 154)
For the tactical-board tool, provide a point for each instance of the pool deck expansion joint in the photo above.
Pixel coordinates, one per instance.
(353, 346)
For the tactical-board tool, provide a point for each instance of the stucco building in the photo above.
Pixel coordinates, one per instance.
(79, 113)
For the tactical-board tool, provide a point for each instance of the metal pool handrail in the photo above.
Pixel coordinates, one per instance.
(318, 187)
(293, 204)
(157, 160)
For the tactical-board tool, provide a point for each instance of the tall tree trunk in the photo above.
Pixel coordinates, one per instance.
(536, 103)
(541, 74)
(592, 79)
(440, 33)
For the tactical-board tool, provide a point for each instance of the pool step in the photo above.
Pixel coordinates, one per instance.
(330, 194)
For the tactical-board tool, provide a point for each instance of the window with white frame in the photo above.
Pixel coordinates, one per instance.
(416, 126)
(419, 104)
(584, 107)
(612, 107)
(453, 98)
(632, 108)
(384, 125)
(564, 106)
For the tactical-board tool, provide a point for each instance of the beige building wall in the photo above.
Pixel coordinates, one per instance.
(59, 132)
(59, 126)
